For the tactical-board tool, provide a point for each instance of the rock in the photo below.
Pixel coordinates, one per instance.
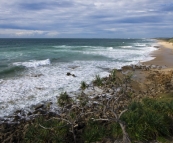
(29, 113)
(96, 97)
(40, 111)
(16, 118)
(37, 75)
(98, 90)
(73, 75)
(111, 92)
(68, 74)
(51, 114)
(88, 92)
(39, 106)
(18, 112)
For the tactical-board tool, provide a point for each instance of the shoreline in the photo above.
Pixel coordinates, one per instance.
(163, 56)
(21, 119)
(139, 75)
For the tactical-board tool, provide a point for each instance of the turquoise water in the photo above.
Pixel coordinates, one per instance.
(28, 65)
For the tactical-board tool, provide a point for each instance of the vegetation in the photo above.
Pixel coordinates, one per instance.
(149, 119)
(64, 99)
(98, 81)
(171, 40)
(119, 116)
(83, 85)
(47, 131)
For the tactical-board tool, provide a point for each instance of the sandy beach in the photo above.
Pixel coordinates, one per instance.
(163, 56)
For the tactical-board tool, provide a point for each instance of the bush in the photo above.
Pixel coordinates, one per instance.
(64, 99)
(83, 85)
(148, 120)
(93, 132)
(56, 131)
(113, 74)
(98, 81)
(171, 40)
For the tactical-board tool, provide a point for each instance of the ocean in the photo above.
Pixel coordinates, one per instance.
(35, 70)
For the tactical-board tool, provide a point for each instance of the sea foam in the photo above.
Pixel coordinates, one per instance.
(41, 82)
(33, 63)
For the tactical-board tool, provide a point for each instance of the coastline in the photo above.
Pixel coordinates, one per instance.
(163, 56)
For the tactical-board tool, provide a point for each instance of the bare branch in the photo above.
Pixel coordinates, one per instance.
(122, 113)
(45, 127)
(100, 119)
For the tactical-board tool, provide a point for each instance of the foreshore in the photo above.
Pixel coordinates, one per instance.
(141, 73)
(163, 56)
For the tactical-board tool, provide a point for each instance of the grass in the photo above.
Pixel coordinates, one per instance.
(171, 40)
(167, 97)
(149, 119)
(64, 99)
(98, 81)
(93, 132)
(56, 131)
(83, 85)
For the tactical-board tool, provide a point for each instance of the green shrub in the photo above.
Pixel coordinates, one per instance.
(64, 99)
(93, 132)
(171, 40)
(113, 74)
(113, 130)
(98, 81)
(83, 85)
(160, 106)
(148, 120)
(56, 131)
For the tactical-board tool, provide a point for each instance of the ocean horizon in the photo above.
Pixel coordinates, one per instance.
(35, 70)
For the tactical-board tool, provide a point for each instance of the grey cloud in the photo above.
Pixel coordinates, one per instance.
(44, 5)
(81, 18)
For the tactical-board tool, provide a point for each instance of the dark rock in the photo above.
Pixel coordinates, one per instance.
(18, 111)
(73, 75)
(29, 113)
(51, 114)
(39, 106)
(39, 111)
(68, 74)
(16, 118)
(37, 75)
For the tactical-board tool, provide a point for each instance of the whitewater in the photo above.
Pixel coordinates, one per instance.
(35, 70)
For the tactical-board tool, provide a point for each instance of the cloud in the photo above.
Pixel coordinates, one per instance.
(141, 19)
(27, 33)
(167, 7)
(76, 18)
(43, 5)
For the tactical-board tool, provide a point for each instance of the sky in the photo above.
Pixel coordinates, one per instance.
(86, 18)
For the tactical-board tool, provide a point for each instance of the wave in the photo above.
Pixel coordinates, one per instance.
(126, 47)
(11, 70)
(68, 46)
(110, 48)
(33, 63)
(61, 46)
(140, 45)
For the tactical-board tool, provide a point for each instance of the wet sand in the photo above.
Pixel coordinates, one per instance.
(163, 56)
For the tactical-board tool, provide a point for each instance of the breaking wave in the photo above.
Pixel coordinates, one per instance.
(33, 63)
